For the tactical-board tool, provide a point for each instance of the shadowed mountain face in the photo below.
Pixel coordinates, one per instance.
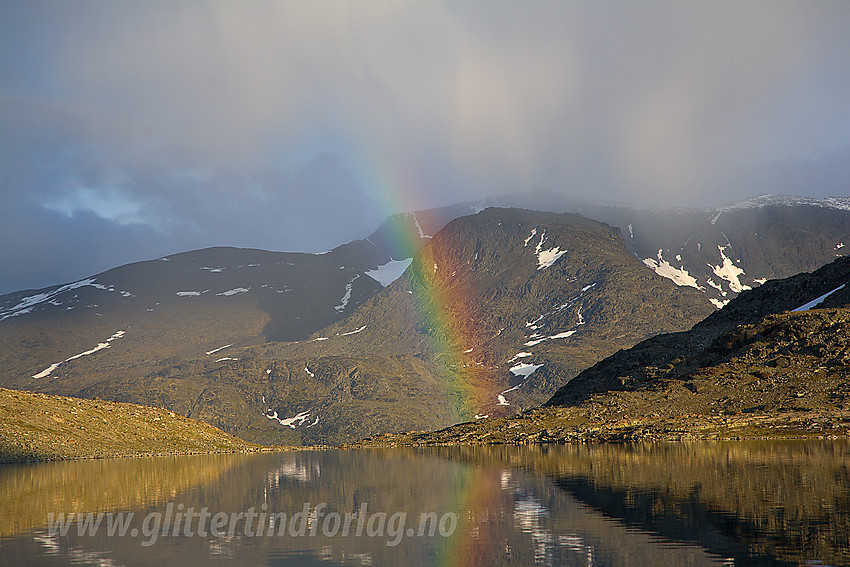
(773, 363)
(184, 305)
(761, 328)
(720, 251)
(723, 250)
(496, 312)
(516, 300)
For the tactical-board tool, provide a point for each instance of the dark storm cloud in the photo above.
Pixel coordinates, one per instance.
(134, 129)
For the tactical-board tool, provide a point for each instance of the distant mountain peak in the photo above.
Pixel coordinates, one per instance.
(773, 200)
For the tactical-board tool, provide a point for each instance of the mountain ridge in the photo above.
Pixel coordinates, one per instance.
(511, 283)
(224, 316)
(769, 367)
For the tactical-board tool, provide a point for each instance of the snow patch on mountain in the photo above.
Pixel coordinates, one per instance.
(727, 270)
(215, 350)
(389, 272)
(354, 332)
(26, 304)
(46, 372)
(345, 298)
(292, 422)
(546, 258)
(419, 227)
(540, 244)
(817, 301)
(536, 341)
(234, 291)
(100, 346)
(533, 325)
(520, 355)
(678, 276)
(524, 369)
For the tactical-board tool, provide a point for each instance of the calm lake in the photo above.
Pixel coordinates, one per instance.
(736, 503)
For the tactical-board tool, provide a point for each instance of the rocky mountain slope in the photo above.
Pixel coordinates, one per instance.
(721, 250)
(290, 295)
(184, 305)
(513, 297)
(518, 303)
(35, 427)
(478, 326)
(774, 363)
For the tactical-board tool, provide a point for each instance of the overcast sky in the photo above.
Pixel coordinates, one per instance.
(134, 129)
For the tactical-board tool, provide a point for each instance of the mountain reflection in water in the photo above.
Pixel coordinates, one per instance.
(764, 503)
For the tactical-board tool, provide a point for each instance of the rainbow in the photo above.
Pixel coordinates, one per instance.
(442, 303)
(435, 297)
(472, 490)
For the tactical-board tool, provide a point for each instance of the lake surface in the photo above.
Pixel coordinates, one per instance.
(765, 503)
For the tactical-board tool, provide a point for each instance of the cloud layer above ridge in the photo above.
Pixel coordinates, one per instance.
(137, 129)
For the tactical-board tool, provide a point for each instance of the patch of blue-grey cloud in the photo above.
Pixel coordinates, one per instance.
(130, 130)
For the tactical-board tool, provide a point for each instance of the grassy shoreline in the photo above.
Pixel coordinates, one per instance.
(38, 427)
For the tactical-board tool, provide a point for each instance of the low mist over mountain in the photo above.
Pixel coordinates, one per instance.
(428, 322)
(722, 250)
